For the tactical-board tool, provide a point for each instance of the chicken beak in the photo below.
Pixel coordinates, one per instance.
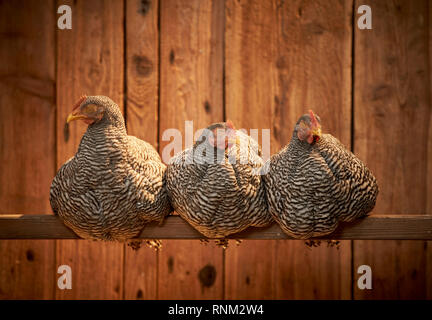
(316, 132)
(75, 116)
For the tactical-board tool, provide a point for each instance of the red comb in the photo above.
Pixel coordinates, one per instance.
(314, 121)
(81, 100)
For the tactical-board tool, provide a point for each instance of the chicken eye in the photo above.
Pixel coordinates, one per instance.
(90, 108)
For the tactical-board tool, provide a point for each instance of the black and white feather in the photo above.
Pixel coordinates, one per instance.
(219, 191)
(312, 186)
(113, 185)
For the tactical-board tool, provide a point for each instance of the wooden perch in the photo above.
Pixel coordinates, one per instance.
(382, 227)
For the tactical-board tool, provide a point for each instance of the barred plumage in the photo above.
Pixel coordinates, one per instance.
(315, 182)
(115, 182)
(218, 190)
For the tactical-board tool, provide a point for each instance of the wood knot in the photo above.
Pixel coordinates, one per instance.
(207, 106)
(381, 92)
(30, 255)
(281, 63)
(207, 275)
(299, 12)
(145, 7)
(171, 57)
(143, 65)
(170, 264)
(315, 28)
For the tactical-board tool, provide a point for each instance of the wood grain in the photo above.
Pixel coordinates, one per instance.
(429, 161)
(97, 269)
(392, 87)
(140, 274)
(189, 269)
(27, 140)
(89, 61)
(26, 269)
(142, 75)
(142, 83)
(398, 269)
(380, 227)
(190, 90)
(429, 271)
(298, 274)
(282, 58)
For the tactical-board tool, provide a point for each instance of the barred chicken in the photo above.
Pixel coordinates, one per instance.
(215, 185)
(315, 182)
(114, 184)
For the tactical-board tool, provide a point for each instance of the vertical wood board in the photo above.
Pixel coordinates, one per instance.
(282, 59)
(27, 141)
(190, 90)
(89, 61)
(392, 110)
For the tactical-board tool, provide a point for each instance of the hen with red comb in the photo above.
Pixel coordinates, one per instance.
(216, 186)
(315, 182)
(115, 183)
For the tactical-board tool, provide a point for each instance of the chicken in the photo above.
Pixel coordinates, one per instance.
(315, 182)
(216, 184)
(115, 183)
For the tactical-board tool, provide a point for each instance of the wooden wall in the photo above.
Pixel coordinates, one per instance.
(260, 64)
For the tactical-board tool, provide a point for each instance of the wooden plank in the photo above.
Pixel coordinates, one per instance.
(294, 272)
(142, 77)
(32, 226)
(282, 58)
(397, 269)
(392, 86)
(97, 269)
(251, 264)
(26, 269)
(190, 270)
(429, 271)
(90, 61)
(300, 274)
(379, 227)
(140, 274)
(191, 89)
(429, 170)
(27, 145)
